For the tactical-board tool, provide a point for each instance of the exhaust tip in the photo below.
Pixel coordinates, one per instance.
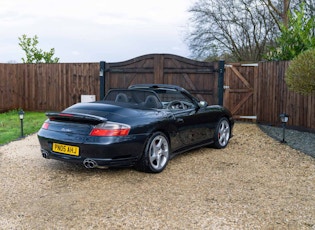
(45, 154)
(89, 163)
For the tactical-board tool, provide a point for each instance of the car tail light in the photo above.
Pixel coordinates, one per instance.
(65, 115)
(45, 125)
(110, 129)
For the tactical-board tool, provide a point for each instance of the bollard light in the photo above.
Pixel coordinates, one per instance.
(21, 116)
(284, 119)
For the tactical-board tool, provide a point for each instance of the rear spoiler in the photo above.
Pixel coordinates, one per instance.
(75, 117)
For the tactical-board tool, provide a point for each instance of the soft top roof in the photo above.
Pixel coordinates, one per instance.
(157, 86)
(137, 96)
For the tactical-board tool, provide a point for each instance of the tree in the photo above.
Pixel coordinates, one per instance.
(300, 75)
(296, 36)
(241, 28)
(278, 11)
(33, 54)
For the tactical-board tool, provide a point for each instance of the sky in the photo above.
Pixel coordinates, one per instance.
(95, 30)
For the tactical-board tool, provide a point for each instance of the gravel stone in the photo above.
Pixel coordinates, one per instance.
(254, 183)
(303, 141)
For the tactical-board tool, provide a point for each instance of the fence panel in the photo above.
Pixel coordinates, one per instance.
(275, 98)
(42, 87)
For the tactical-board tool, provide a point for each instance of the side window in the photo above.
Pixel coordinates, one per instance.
(175, 100)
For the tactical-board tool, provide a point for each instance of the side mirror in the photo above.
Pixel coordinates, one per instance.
(202, 104)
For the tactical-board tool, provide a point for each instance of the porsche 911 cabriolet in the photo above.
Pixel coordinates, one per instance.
(143, 126)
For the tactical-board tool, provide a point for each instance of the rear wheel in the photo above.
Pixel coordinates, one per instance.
(222, 133)
(156, 154)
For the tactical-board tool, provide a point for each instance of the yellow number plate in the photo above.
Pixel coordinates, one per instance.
(66, 149)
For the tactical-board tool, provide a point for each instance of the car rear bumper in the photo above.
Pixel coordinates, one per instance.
(95, 152)
(91, 162)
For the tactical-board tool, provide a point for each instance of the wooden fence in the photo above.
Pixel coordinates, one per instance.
(259, 91)
(275, 98)
(42, 87)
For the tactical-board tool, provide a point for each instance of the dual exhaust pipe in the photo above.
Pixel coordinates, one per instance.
(91, 164)
(88, 162)
(45, 153)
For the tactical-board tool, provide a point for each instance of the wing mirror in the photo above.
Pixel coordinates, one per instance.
(202, 104)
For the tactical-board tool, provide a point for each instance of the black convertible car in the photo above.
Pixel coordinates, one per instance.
(142, 126)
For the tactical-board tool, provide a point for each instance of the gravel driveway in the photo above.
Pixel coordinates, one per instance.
(255, 183)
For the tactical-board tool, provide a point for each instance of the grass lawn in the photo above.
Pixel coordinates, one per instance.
(10, 125)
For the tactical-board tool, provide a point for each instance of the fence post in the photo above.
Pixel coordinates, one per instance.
(102, 80)
(221, 82)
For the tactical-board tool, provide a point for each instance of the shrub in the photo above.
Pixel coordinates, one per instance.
(300, 75)
(295, 38)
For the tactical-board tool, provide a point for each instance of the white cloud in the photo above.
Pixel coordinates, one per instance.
(89, 31)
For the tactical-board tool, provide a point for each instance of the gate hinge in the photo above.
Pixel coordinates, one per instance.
(218, 70)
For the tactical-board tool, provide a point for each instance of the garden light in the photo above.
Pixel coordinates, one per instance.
(21, 116)
(284, 119)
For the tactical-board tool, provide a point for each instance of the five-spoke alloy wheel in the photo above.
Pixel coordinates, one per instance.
(156, 155)
(222, 133)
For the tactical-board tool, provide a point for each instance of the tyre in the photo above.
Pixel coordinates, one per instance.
(222, 133)
(156, 154)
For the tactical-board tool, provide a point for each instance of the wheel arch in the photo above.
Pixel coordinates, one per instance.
(143, 162)
(155, 130)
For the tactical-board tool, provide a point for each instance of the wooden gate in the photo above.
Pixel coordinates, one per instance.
(199, 78)
(240, 84)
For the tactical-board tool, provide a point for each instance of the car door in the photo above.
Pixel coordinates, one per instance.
(196, 126)
(190, 120)
(185, 126)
